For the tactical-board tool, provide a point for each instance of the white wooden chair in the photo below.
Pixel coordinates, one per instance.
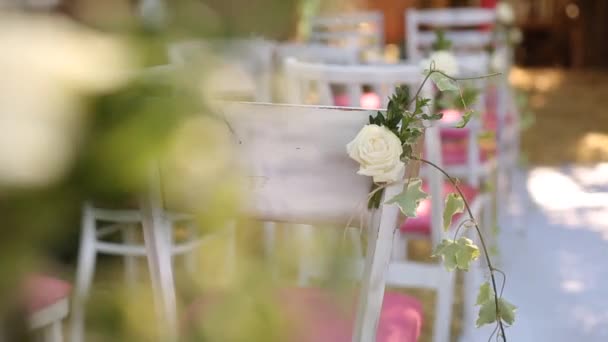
(358, 29)
(47, 301)
(403, 272)
(461, 26)
(243, 66)
(470, 30)
(299, 152)
(127, 219)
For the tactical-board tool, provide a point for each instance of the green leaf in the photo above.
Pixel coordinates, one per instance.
(487, 311)
(454, 204)
(444, 83)
(409, 199)
(457, 253)
(485, 294)
(466, 98)
(436, 116)
(507, 311)
(466, 117)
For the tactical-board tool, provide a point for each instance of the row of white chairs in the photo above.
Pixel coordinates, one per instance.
(328, 66)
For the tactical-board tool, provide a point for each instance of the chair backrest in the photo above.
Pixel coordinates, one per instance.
(302, 174)
(356, 29)
(382, 79)
(317, 53)
(468, 29)
(254, 58)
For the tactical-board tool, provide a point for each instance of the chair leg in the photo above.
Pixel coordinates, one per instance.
(305, 240)
(231, 251)
(399, 247)
(129, 235)
(53, 332)
(84, 276)
(191, 257)
(159, 258)
(443, 307)
(270, 233)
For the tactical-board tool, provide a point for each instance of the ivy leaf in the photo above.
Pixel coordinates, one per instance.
(466, 117)
(454, 204)
(507, 311)
(487, 311)
(444, 83)
(436, 116)
(468, 96)
(457, 253)
(409, 199)
(485, 294)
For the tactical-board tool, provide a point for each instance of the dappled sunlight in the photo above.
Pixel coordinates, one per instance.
(592, 146)
(555, 190)
(536, 80)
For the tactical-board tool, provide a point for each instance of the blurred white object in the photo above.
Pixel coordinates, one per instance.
(441, 60)
(152, 12)
(515, 35)
(47, 66)
(505, 13)
(238, 67)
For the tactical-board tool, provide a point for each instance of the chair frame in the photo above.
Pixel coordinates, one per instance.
(322, 26)
(462, 18)
(384, 220)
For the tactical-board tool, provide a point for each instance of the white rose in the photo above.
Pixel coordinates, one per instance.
(504, 13)
(443, 60)
(378, 151)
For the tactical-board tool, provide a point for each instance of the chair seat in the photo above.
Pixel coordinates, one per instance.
(452, 117)
(42, 291)
(421, 224)
(315, 315)
(457, 153)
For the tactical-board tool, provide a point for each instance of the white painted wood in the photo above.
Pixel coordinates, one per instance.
(354, 77)
(306, 177)
(378, 257)
(358, 29)
(158, 247)
(316, 53)
(461, 25)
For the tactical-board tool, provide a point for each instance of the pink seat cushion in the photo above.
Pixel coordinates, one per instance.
(458, 153)
(315, 315)
(421, 224)
(368, 100)
(452, 116)
(43, 291)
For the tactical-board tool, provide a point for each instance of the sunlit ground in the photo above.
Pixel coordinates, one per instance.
(554, 246)
(571, 110)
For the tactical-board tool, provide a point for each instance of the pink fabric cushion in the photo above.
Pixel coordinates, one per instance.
(452, 116)
(42, 291)
(368, 100)
(457, 153)
(315, 315)
(421, 224)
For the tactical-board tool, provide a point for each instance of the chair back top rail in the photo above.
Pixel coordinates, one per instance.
(464, 26)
